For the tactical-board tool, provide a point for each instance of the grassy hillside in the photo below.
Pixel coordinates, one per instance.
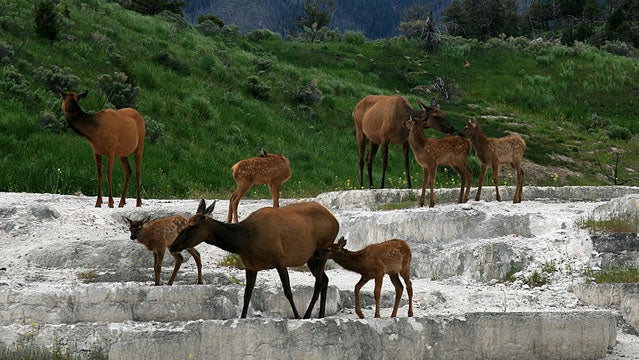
(211, 100)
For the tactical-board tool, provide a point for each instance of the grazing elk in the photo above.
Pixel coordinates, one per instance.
(114, 133)
(157, 235)
(380, 119)
(270, 238)
(391, 257)
(270, 169)
(495, 151)
(430, 153)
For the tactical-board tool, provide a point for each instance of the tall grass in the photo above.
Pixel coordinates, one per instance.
(199, 92)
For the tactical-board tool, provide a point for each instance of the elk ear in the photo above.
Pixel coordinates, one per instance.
(201, 208)
(341, 242)
(83, 94)
(209, 210)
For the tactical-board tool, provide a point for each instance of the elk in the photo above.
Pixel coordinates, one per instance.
(380, 119)
(270, 169)
(269, 238)
(494, 152)
(430, 153)
(114, 133)
(391, 257)
(157, 235)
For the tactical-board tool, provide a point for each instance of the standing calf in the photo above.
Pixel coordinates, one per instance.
(495, 151)
(270, 169)
(391, 257)
(157, 235)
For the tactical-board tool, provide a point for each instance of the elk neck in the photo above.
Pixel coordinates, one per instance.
(233, 238)
(79, 120)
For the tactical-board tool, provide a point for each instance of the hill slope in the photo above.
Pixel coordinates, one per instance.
(213, 98)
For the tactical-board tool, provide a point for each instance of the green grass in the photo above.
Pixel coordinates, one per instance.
(198, 89)
(613, 276)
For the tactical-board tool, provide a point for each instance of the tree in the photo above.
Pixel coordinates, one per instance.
(153, 7)
(417, 23)
(482, 19)
(318, 14)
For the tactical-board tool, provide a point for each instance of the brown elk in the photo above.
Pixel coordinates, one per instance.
(270, 238)
(494, 152)
(114, 133)
(391, 257)
(380, 119)
(270, 169)
(157, 235)
(430, 153)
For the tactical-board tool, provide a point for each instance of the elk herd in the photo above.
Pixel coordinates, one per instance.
(304, 232)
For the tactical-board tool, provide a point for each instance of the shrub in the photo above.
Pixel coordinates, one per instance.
(257, 89)
(263, 63)
(309, 94)
(323, 34)
(6, 52)
(119, 93)
(422, 31)
(619, 133)
(46, 19)
(169, 63)
(208, 28)
(14, 83)
(263, 34)
(354, 37)
(210, 18)
(51, 123)
(154, 129)
(56, 76)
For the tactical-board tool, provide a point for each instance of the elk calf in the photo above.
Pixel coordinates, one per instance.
(391, 257)
(430, 153)
(270, 169)
(495, 151)
(157, 235)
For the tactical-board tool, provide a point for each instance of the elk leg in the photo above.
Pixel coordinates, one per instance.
(286, 284)
(248, 290)
(274, 189)
(432, 172)
(384, 162)
(399, 288)
(138, 173)
(406, 151)
(124, 161)
(468, 175)
(422, 198)
(482, 175)
(158, 256)
(316, 265)
(234, 201)
(405, 273)
(369, 163)
(110, 162)
(198, 263)
(98, 164)
(362, 281)
(378, 293)
(520, 185)
(361, 146)
(178, 262)
(462, 181)
(496, 180)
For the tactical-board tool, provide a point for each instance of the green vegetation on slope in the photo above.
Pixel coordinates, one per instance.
(214, 99)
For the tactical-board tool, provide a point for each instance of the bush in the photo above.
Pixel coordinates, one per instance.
(619, 133)
(6, 52)
(354, 37)
(323, 34)
(258, 90)
(212, 18)
(51, 123)
(309, 94)
(56, 76)
(46, 19)
(119, 93)
(169, 63)
(154, 129)
(263, 34)
(14, 83)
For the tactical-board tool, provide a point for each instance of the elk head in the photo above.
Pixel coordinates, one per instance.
(195, 231)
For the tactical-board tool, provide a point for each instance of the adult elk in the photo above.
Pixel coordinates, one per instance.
(430, 153)
(495, 151)
(380, 119)
(270, 169)
(114, 133)
(270, 238)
